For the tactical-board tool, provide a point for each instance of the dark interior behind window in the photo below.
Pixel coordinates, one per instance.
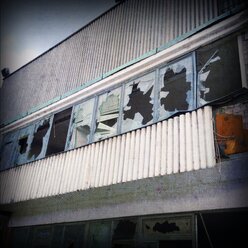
(218, 70)
(58, 135)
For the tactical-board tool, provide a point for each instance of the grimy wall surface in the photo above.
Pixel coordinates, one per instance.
(124, 33)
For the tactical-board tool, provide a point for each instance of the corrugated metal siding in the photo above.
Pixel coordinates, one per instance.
(182, 143)
(126, 32)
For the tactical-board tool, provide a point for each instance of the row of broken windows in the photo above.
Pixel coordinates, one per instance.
(208, 74)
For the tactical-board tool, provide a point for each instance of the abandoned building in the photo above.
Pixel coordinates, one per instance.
(132, 132)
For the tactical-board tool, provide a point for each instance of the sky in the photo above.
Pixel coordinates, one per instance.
(31, 27)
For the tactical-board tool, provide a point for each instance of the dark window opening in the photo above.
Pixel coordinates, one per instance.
(177, 87)
(225, 229)
(23, 145)
(165, 227)
(218, 70)
(139, 102)
(59, 131)
(125, 229)
(37, 143)
(175, 244)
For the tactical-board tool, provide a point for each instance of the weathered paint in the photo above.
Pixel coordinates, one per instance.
(99, 164)
(202, 38)
(69, 75)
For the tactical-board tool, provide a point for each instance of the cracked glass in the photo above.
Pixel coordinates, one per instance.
(107, 114)
(176, 87)
(218, 70)
(138, 103)
(81, 124)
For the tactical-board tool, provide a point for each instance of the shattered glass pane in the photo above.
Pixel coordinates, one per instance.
(159, 228)
(23, 144)
(58, 135)
(176, 87)
(218, 70)
(138, 102)
(81, 124)
(39, 141)
(107, 114)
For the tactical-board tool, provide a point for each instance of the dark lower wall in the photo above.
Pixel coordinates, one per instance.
(223, 187)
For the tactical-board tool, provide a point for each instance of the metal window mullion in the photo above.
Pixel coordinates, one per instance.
(195, 81)
(119, 123)
(94, 118)
(70, 129)
(46, 140)
(156, 97)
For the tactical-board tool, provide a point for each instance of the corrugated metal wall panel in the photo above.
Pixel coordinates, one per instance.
(126, 32)
(176, 145)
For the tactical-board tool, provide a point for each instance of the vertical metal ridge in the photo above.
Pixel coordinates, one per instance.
(163, 165)
(175, 145)
(182, 138)
(189, 155)
(136, 155)
(126, 158)
(110, 178)
(195, 143)
(170, 147)
(151, 168)
(107, 161)
(116, 160)
(158, 149)
(147, 152)
(123, 34)
(131, 156)
(94, 165)
(141, 153)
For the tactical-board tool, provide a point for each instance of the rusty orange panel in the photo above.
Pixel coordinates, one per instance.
(231, 133)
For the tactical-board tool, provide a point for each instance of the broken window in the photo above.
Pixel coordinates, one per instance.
(81, 124)
(164, 228)
(176, 87)
(138, 103)
(58, 134)
(23, 144)
(107, 114)
(124, 234)
(218, 70)
(39, 141)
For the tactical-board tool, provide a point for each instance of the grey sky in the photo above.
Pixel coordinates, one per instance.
(30, 27)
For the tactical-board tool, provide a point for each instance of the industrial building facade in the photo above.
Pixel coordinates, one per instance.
(132, 132)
